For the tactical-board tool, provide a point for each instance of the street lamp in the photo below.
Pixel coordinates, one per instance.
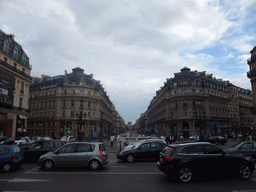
(81, 117)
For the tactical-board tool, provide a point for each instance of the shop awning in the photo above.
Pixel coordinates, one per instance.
(22, 117)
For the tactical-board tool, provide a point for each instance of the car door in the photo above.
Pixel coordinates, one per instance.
(246, 149)
(155, 149)
(253, 153)
(83, 154)
(143, 151)
(64, 156)
(218, 163)
(33, 151)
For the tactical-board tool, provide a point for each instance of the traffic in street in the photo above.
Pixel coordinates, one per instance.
(117, 175)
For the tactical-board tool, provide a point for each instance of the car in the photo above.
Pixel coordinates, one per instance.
(147, 149)
(143, 140)
(245, 148)
(33, 151)
(188, 161)
(215, 140)
(11, 157)
(7, 141)
(193, 137)
(76, 154)
(22, 141)
(68, 138)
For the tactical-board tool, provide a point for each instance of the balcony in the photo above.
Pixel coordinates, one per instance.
(251, 60)
(251, 73)
(15, 69)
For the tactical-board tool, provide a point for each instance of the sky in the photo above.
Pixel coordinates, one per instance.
(133, 46)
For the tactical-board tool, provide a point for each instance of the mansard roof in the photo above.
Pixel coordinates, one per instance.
(12, 48)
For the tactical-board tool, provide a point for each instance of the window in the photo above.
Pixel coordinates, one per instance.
(198, 149)
(23, 70)
(67, 149)
(209, 149)
(193, 91)
(184, 91)
(21, 102)
(65, 91)
(74, 92)
(174, 84)
(72, 114)
(63, 113)
(89, 103)
(5, 59)
(22, 87)
(84, 148)
(184, 102)
(185, 113)
(72, 103)
(64, 103)
(15, 65)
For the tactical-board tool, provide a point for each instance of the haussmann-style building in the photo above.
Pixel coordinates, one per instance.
(196, 103)
(71, 104)
(15, 80)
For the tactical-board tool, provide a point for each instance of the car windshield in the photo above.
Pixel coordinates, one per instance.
(136, 145)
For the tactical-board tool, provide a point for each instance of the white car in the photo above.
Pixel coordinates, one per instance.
(70, 138)
(22, 141)
(192, 137)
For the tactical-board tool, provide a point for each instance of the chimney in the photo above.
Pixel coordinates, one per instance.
(66, 72)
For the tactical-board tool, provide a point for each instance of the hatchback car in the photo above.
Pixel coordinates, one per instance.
(33, 151)
(246, 148)
(11, 157)
(76, 154)
(188, 161)
(147, 149)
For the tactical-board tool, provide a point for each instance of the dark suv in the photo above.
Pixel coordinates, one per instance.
(33, 151)
(189, 160)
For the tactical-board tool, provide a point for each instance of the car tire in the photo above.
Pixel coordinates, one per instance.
(185, 174)
(94, 165)
(130, 158)
(48, 164)
(6, 167)
(244, 172)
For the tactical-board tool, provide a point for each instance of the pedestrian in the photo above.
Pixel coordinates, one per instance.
(112, 141)
(66, 138)
(115, 141)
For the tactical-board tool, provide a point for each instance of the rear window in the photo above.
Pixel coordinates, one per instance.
(4, 151)
(167, 151)
(102, 147)
(16, 149)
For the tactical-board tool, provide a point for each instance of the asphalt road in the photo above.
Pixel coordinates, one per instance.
(117, 176)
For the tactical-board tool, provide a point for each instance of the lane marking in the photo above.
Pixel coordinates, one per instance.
(21, 180)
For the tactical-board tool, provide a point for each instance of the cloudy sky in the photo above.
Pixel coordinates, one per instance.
(132, 46)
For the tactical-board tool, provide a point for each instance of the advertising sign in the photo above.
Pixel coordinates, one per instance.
(6, 88)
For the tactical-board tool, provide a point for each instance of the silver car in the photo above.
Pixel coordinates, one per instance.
(76, 154)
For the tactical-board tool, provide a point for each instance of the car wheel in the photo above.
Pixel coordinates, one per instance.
(48, 164)
(185, 174)
(95, 165)
(6, 167)
(130, 158)
(244, 172)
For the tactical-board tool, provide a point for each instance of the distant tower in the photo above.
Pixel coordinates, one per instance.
(252, 75)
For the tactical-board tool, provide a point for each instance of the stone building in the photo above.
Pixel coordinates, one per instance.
(15, 80)
(252, 75)
(71, 104)
(196, 103)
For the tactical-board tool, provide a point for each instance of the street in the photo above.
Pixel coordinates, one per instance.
(116, 176)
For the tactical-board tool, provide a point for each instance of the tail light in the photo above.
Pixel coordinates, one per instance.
(168, 159)
(13, 158)
(102, 153)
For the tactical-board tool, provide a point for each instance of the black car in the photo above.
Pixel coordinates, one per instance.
(246, 148)
(146, 149)
(33, 151)
(191, 160)
(7, 141)
(215, 140)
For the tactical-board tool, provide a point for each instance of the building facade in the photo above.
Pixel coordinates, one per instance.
(15, 80)
(71, 104)
(196, 103)
(252, 75)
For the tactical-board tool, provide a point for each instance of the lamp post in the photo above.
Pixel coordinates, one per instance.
(81, 117)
